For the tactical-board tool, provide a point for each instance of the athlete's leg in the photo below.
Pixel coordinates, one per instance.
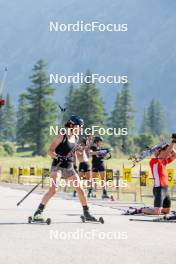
(93, 179)
(52, 190)
(74, 181)
(103, 180)
(166, 203)
(158, 202)
(89, 182)
(152, 211)
(81, 175)
(53, 187)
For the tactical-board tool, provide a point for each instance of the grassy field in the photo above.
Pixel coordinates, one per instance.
(132, 192)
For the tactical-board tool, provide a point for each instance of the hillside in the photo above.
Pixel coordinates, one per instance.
(146, 53)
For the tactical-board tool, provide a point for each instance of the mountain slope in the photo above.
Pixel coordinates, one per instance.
(146, 53)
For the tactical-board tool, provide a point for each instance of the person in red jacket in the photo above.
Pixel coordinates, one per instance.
(158, 165)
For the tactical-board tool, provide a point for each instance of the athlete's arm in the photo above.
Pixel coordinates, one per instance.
(54, 144)
(169, 150)
(171, 158)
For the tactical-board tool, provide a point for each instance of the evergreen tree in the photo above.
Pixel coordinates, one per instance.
(156, 118)
(152, 117)
(145, 124)
(8, 116)
(1, 123)
(69, 103)
(160, 119)
(144, 140)
(42, 110)
(22, 120)
(122, 117)
(87, 103)
(115, 121)
(126, 115)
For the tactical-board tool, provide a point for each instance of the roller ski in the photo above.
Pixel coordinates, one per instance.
(166, 219)
(136, 158)
(87, 217)
(156, 220)
(40, 220)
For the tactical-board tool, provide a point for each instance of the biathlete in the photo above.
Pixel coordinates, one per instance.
(158, 165)
(62, 151)
(98, 165)
(84, 166)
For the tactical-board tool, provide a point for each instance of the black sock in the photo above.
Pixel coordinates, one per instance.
(85, 208)
(41, 207)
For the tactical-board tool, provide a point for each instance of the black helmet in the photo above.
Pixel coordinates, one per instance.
(98, 139)
(76, 120)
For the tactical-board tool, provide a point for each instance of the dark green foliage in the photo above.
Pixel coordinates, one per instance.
(154, 119)
(144, 140)
(9, 148)
(87, 103)
(123, 117)
(7, 121)
(41, 108)
(22, 120)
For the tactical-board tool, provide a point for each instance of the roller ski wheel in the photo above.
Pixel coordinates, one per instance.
(101, 220)
(84, 219)
(39, 220)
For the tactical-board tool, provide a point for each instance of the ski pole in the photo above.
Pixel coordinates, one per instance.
(29, 193)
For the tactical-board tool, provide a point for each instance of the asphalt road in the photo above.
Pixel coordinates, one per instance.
(67, 240)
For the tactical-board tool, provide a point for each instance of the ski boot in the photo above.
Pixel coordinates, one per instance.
(87, 217)
(170, 217)
(105, 195)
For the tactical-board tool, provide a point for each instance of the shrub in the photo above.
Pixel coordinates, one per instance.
(9, 148)
(2, 151)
